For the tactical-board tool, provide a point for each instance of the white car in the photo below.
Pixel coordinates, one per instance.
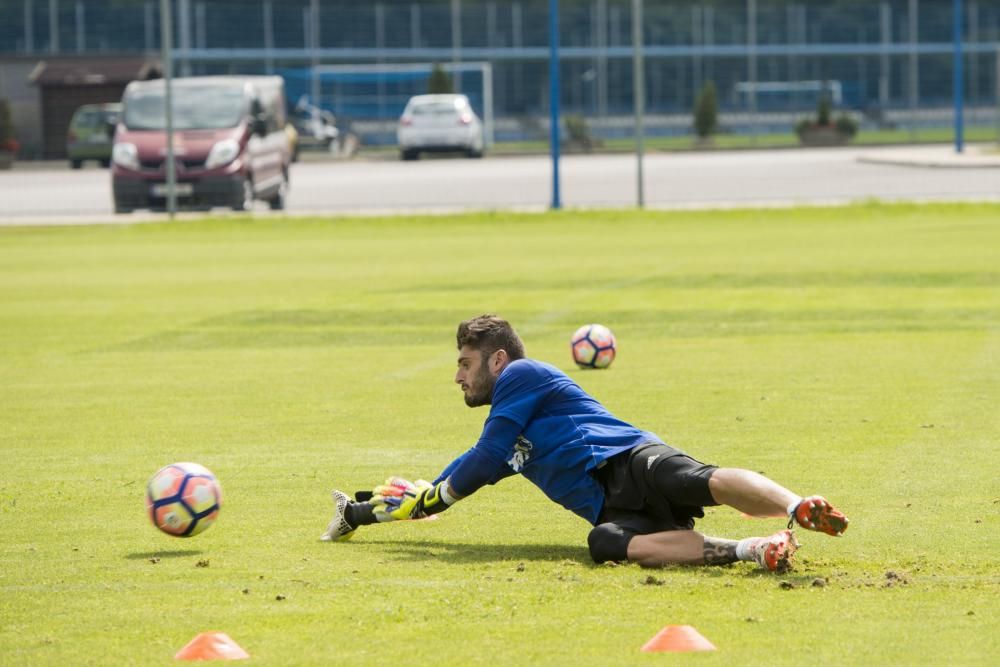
(439, 123)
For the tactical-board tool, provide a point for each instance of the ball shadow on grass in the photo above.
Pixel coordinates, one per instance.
(176, 553)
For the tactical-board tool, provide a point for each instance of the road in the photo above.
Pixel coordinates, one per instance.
(54, 194)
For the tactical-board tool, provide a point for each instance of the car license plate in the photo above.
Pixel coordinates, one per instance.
(182, 189)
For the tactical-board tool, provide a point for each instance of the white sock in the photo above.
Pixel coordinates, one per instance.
(791, 508)
(744, 548)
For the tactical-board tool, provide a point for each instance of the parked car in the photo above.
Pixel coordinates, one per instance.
(90, 133)
(439, 123)
(230, 143)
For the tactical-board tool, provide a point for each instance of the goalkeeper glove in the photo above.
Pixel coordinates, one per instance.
(399, 499)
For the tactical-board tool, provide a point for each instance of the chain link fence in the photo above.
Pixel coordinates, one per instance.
(886, 64)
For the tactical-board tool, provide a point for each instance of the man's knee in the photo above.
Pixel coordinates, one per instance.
(608, 541)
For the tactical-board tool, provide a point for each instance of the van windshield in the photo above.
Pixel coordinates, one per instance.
(208, 107)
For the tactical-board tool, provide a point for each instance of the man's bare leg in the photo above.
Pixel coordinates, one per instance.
(675, 547)
(756, 495)
(751, 493)
(689, 547)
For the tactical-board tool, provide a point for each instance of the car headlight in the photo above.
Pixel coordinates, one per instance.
(125, 155)
(222, 153)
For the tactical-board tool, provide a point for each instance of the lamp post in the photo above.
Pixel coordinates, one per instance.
(554, 98)
(166, 40)
(638, 97)
(958, 74)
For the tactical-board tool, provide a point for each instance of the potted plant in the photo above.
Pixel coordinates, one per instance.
(824, 130)
(579, 137)
(8, 144)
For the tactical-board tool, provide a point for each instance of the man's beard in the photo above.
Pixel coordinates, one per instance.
(481, 389)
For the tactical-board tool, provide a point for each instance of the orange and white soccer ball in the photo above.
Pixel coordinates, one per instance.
(593, 346)
(183, 499)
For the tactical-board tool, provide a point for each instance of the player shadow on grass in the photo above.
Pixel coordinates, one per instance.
(458, 552)
(461, 553)
(178, 553)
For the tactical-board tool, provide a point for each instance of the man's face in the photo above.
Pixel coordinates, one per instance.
(475, 377)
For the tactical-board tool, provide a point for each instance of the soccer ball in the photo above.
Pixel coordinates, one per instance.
(593, 346)
(183, 499)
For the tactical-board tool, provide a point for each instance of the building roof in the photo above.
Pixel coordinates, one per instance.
(93, 71)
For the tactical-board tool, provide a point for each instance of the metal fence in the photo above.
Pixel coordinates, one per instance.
(889, 61)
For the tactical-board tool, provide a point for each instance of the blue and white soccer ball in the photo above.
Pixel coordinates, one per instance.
(593, 346)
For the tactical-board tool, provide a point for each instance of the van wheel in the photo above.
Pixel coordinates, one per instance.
(244, 200)
(409, 154)
(277, 203)
(76, 164)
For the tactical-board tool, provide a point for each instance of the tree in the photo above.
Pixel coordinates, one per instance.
(706, 115)
(7, 141)
(440, 82)
(823, 108)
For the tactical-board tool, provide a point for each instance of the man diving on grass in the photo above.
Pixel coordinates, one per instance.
(641, 495)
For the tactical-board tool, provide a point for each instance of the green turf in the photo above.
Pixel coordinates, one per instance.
(849, 351)
(729, 141)
(982, 134)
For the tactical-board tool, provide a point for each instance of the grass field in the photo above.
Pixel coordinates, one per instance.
(853, 352)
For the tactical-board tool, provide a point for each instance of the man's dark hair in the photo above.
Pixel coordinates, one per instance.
(489, 333)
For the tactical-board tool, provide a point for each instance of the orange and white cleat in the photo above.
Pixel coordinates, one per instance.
(774, 553)
(815, 513)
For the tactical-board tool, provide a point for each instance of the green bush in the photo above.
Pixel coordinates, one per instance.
(804, 125)
(578, 132)
(706, 114)
(846, 124)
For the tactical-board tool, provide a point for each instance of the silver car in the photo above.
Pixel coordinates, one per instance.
(439, 123)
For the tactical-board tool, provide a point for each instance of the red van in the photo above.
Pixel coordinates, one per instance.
(230, 144)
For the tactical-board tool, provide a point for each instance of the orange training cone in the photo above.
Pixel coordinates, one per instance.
(678, 638)
(211, 646)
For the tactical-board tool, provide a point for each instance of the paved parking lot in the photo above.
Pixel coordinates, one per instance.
(51, 193)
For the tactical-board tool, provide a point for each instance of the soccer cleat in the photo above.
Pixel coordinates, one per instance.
(815, 513)
(774, 553)
(338, 530)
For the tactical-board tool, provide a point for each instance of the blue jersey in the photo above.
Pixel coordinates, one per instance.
(544, 426)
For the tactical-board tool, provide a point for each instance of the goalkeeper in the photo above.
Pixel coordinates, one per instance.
(641, 495)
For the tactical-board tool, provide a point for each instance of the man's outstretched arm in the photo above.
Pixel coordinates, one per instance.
(481, 465)
(399, 499)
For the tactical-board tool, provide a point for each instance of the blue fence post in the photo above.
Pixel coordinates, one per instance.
(957, 85)
(554, 97)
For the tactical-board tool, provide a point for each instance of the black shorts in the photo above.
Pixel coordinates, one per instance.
(654, 488)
